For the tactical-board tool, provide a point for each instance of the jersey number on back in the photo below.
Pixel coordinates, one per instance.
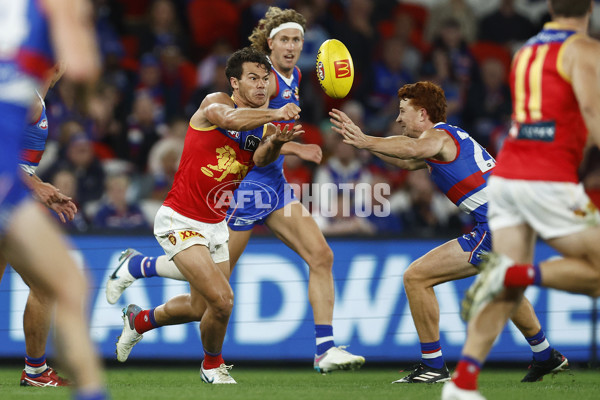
(483, 164)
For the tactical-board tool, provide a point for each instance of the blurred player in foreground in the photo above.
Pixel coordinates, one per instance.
(460, 167)
(38, 310)
(535, 188)
(226, 137)
(30, 241)
(280, 34)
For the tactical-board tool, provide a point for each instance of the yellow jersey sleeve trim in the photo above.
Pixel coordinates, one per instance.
(210, 128)
(559, 57)
(557, 26)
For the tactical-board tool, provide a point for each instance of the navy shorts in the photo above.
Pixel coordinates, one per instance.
(254, 201)
(477, 243)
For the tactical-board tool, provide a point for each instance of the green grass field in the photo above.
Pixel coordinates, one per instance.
(294, 383)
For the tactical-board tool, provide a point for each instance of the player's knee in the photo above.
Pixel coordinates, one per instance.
(412, 276)
(322, 258)
(223, 305)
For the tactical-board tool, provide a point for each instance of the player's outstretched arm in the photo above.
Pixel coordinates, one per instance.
(44, 192)
(401, 151)
(275, 137)
(308, 152)
(219, 109)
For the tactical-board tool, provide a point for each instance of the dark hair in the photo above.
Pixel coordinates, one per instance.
(426, 95)
(570, 8)
(234, 67)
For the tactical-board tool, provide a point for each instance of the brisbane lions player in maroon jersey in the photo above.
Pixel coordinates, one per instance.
(535, 189)
(227, 136)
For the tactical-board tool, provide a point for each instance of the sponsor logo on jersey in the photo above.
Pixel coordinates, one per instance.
(287, 94)
(234, 134)
(543, 131)
(185, 235)
(252, 143)
(342, 68)
(297, 93)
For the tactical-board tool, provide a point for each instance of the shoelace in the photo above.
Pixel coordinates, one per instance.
(223, 370)
(343, 347)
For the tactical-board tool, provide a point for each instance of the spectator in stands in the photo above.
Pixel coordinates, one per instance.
(437, 69)
(211, 77)
(296, 173)
(143, 131)
(462, 63)
(402, 27)
(106, 129)
(213, 20)
(342, 168)
(150, 84)
(389, 73)
(311, 100)
(115, 212)
(343, 223)
(163, 27)
(314, 35)
(506, 26)
(65, 103)
(163, 159)
(488, 103)
(359, 35)
(82, 162)
(178, 80)
(458, 10)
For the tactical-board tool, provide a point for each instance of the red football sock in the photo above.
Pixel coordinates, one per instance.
(466, 374)
(519, 275)
(212, 360)
(144, 321)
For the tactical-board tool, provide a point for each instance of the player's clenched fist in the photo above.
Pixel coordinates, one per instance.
(288, 112)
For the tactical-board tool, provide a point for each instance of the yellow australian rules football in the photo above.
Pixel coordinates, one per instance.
(335, 69)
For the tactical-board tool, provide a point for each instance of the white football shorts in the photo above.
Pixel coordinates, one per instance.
(176, 233)
(552, 209)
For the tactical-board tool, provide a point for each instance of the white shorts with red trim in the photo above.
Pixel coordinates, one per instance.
(175, 233)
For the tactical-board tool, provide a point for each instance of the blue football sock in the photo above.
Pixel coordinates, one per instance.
(95, 395)
(141, 266)
(540, 346)
(324, 336)
(431, 354)
(34, 367)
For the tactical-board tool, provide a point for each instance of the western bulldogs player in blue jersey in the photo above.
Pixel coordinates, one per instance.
(264, 198)
(38, 311)
(31, 33)
(460, 167)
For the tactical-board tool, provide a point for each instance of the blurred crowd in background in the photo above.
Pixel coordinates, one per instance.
(116, 153)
